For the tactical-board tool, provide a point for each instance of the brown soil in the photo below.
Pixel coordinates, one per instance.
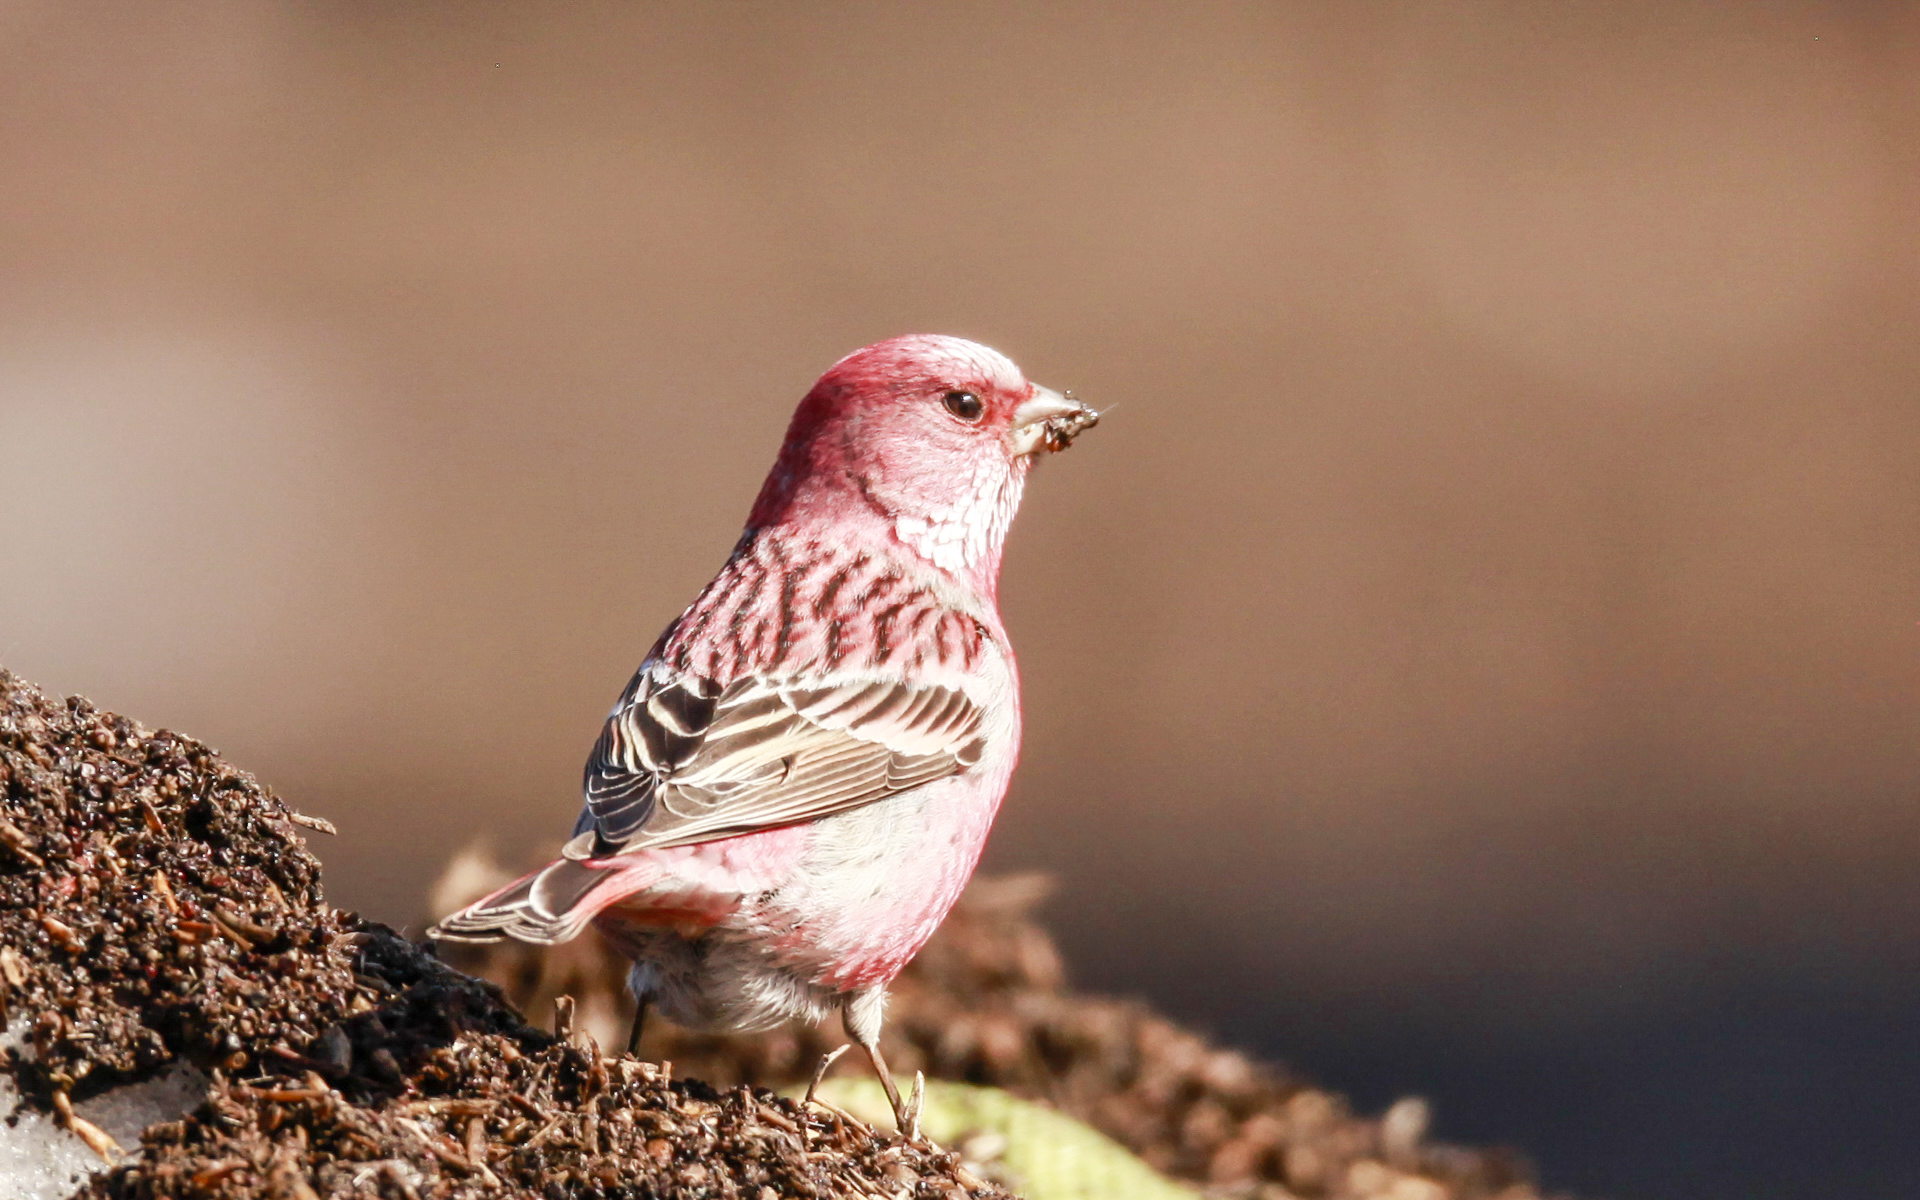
(157, 904)
(987, 1002)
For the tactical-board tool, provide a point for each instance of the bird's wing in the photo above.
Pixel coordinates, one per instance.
(684, 761)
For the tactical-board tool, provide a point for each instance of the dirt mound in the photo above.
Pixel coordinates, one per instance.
(987, 1003)
(157, 906)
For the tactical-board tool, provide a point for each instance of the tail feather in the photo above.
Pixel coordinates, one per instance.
(548, 906)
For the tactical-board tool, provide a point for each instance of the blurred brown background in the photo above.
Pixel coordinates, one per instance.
(1476, 657)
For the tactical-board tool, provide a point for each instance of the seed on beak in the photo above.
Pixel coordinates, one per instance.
(1058, 432)
(1049, 421)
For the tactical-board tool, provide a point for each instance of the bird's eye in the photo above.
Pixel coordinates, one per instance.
(964, 405)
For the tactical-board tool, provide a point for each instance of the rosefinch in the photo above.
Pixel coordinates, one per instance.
(796, 785)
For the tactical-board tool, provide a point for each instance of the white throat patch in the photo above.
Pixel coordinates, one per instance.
(957, 538)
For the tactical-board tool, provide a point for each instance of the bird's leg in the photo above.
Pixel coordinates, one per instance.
(820, 1072)
(900, 1119)
(863, 1016)
(639, 1023)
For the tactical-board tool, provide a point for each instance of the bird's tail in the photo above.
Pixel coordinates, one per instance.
(548, 906)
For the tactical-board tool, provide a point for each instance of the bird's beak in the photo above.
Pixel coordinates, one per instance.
(1048, 421)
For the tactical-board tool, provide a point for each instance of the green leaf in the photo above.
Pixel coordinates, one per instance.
(1047, 1156)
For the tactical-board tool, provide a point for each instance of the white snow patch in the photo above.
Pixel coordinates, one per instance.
(41, 1160)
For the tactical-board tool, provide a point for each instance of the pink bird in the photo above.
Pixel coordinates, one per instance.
(795, 787)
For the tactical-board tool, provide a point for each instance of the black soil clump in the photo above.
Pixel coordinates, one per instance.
(158, 905)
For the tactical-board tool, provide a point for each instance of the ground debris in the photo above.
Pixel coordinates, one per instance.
(157, 907)
(987, 1003)
(557, 1121)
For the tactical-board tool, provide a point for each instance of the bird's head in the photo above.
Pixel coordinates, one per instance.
(926, 437)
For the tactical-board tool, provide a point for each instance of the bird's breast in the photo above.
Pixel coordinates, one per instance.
(788, 606)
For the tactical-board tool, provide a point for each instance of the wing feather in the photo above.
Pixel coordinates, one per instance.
(683, 761)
